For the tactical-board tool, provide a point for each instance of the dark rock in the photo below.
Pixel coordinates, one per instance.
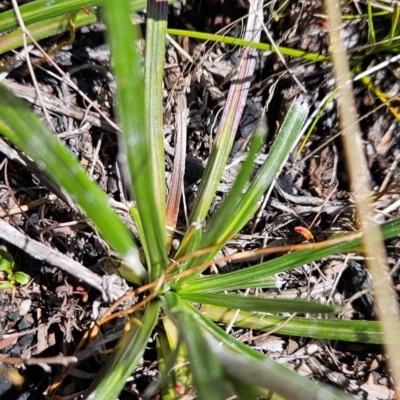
(13, 316)
(27, 340)
(250, 118)
(24, 324)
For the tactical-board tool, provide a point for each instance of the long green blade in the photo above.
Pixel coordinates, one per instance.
(156, 28)
(220, 229)
(33, 137)
(251, 303)
(207, 372)
(135, 141)
(38, 11)
(190, 242)
(41, 10)
(44, 29)
(230, 202)
(230, 119)
(286, 51)
(243, 363)
(262, 275)
(44, 18)
(331, 329)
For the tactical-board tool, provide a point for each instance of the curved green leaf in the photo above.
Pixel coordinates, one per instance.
(207, 372)
(286, 51)
(41, 10)
(44, 18)
(230, 118)
(32, 136)
(243, 363)
(220, 229)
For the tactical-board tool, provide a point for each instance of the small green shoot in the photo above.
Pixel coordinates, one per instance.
(7, 267)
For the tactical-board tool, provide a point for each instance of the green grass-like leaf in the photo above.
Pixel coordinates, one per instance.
(259, 370)
(286, 51)
(44, 29)
(251, 303)
(230, 118)
(44, 18)
(156, 28)
(207, 371)
(135, 141)
(220, 229)
(41, 10)
(262, 275)
(333, 329)
(32, 136)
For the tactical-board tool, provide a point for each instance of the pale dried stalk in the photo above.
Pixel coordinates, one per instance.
(57, 106)
(29, 63)
(373, 246)
(230, 119)
(178, 172)
(41, 252)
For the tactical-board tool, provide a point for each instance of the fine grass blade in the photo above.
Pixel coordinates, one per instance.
(232, 200)
(233, 197)
(258, 304)
(167, 359)
(330, 329)
(286, 51)
(371, 29)
(225, 211)
(245, 364)
(221, 229)
(111, 379)
(44, 18)
(135, 142)
(156, 27)
(229, 120)
(262, 275)
(45, 29)
(33, 137)
(41, 10)
(206, 370)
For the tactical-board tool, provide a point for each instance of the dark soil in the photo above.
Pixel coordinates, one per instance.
(49, 316)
